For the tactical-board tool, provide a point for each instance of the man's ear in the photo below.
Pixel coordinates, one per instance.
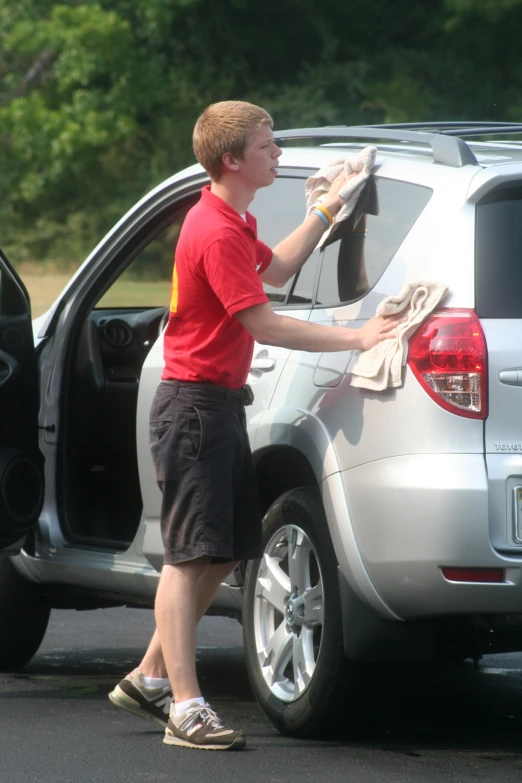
(230, 162)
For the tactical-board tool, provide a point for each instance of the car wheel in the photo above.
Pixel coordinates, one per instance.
(292, 618)
(24, 615)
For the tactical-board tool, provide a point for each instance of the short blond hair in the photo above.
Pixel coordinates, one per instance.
(225, 127)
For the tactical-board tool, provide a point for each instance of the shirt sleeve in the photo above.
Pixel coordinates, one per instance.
(230, 264)
(264, 256)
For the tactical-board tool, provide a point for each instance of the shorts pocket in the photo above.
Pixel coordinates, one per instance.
(157, 429)
(195, 430)
(161, 414)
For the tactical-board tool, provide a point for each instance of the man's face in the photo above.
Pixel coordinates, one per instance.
(260, 159)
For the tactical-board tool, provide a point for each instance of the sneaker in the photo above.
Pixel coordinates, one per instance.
(150, 703)
(200, 727)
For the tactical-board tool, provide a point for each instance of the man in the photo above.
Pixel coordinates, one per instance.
(210, 517)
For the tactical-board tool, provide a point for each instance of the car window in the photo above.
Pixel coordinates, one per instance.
(302, 286)
(279, 209)
(352, 265)
(146, 280)
(499, 254)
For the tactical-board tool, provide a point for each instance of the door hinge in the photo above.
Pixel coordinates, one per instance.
(48, 428)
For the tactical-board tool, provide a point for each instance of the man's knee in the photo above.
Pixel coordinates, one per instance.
(186, 569)
(223, 568)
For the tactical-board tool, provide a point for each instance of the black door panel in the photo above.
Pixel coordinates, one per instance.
(21, 463)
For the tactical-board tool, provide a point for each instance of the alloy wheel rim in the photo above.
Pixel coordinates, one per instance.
(289, 613)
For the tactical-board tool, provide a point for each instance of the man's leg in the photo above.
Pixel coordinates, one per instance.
(146, 691)
(209, 584)
(176, 620)
(192, 722)
(153, 664)
(185, 592)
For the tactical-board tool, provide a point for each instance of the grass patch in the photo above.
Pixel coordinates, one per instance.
(44, 288)
(137, 293)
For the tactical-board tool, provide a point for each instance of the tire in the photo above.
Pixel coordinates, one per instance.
(24, 615)
(286, 624)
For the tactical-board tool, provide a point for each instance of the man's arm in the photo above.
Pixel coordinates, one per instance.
(269, 328)
(291, 253)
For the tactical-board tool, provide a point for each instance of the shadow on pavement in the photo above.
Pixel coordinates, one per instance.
(444, 706)
(401, 708)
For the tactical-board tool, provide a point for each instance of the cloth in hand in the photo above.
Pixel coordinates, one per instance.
(320, 183)
(381, 367)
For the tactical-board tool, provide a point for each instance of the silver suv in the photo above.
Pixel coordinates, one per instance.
(393, 519)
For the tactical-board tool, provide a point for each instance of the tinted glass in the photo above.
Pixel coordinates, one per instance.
(278, 210)
(353, 265)
(301, 292)
(499, 255)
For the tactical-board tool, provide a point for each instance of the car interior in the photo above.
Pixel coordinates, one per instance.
(101, 500)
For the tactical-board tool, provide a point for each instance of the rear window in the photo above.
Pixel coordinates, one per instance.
(352, 266)
(499, 254)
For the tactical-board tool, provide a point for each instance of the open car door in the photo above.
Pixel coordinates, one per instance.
(21, 463)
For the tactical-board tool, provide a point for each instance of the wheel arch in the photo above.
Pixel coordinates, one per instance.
(303, 433)
(280, 468)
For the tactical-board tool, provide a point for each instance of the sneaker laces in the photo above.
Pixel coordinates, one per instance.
(210, 717)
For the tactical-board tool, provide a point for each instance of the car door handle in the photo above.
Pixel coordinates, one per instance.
(511, 377)
(263, 365)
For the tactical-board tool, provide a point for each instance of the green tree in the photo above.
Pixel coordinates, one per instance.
(98, 99)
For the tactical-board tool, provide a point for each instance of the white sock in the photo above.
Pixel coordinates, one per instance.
(155, 682)
(182, 706)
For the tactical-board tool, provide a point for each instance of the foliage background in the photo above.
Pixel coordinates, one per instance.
(98, 99)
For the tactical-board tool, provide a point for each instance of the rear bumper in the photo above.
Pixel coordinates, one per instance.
(411, 515)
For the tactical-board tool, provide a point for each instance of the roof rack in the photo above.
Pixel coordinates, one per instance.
(442, 125)
(459, 128)
(447, 149)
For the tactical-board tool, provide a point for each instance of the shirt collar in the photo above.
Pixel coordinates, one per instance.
(211, 200)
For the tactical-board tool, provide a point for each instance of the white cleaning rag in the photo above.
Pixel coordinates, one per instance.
(361, 165)
(381, 367)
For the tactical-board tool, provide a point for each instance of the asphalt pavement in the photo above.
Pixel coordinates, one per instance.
(420, 724)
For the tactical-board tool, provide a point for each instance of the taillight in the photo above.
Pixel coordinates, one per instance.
(448, 356)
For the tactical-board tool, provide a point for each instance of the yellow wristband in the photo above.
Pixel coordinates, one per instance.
(325, 212)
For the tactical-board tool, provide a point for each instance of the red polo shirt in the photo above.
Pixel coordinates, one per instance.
(216, 274)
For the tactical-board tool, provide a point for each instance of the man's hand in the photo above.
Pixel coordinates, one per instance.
(331, 199)
(377, 329)
(291, 253)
